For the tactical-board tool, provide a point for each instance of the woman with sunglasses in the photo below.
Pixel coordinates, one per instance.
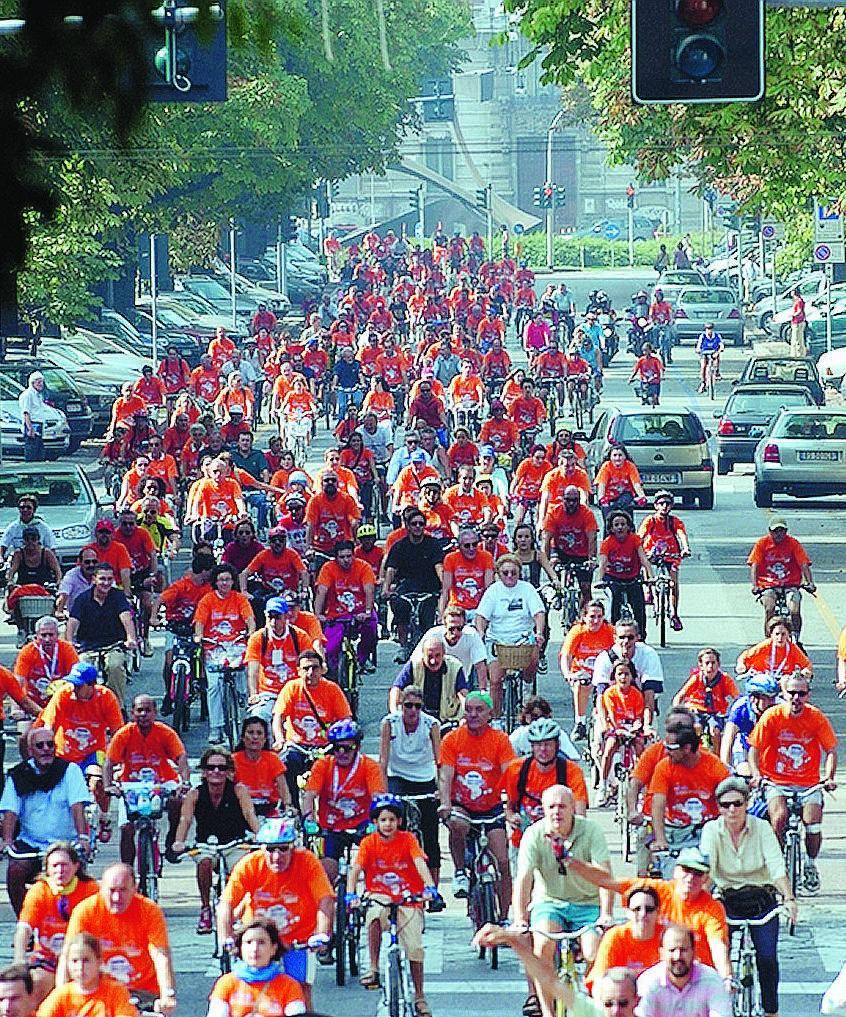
(222, 810)
(636, 943)
(747, 867)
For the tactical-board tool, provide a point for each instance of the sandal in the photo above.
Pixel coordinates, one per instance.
(370, 980)
(421, 1007)
(532, 1007)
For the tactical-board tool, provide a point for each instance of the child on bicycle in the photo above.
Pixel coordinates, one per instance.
(621, 715)
(394, 868)
(650, 369)
(708, 694)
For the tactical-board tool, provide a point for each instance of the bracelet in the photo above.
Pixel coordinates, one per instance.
(169, 993)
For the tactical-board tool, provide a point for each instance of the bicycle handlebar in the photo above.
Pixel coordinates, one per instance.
(737, 923)
(208, 850)
(558, 937)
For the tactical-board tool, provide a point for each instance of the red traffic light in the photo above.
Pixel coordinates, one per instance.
(697, 13)
(630, 191)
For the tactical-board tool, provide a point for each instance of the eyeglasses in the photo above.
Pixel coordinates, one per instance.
(796, 692)
(417, 523)
(218, 767)
(609, 1004)
(90, 561)
(280, 847)
(345, 748)
(735, 803)
(645, 908)
(571, 499)
(412, 706)
(43, 745)
(471, 543)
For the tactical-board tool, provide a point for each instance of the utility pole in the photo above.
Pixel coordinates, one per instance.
(232, 272)
(421, 210)
(489, 217)
(154, 297)
(630, 202)
(550, 212)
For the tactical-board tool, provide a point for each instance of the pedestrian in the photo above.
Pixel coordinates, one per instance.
(797, 325)
(33, 412)
(680, 258)
(662, 262)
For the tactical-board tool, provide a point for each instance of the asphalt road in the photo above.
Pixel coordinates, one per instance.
(717, 609)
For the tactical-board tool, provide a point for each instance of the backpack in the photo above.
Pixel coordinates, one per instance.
(523, 776)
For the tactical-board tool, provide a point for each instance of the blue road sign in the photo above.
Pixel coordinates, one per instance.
(611, 231)
(519, 228)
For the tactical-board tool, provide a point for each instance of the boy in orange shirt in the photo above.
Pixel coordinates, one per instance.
(88, 990)
(621, 715)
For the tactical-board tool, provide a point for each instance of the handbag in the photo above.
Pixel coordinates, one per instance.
(749, 901)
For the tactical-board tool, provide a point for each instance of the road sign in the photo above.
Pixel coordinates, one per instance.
(418, 230)
(611, 231)
(833, 252)
(828, 224)
(518, 228)
(771, 230)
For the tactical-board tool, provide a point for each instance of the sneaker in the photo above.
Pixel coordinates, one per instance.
(701, 388)
(676, 623)
(811, 878)
(579, 732)
(461, 883)
(543, 666)
(204, 922)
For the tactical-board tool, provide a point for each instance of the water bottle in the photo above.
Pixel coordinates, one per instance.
(156, 802)
(143, 803)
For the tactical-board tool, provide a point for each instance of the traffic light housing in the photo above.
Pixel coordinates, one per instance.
(630, 196)
(288, 229)
(693, 51)
(537, 197)
(188, 60)
(547, 196)
(560, 195)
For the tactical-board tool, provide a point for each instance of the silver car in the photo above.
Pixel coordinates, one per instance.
(697, 305)
(67, 502)
(803, 454)
(56, 432)
(674, 280)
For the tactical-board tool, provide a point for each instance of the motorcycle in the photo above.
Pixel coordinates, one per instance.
(640, 329)
(610, 340)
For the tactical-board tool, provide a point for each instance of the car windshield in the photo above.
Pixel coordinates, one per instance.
(814, 427)
(707, 296)
(780, 370)
(678, 278)
(659, 429)
(190, 301)
(52, 489)
(766, 402)
(9, 388)
(71, 355)
(206, 288)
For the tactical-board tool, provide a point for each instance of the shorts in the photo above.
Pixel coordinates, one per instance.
(495, 816)
(652, 388)
(786, 791)
(409, 927)
(336, 840)
(301, 965)
(568, 917)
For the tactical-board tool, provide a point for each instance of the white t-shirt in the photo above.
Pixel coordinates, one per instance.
(510, 611)
(411, 755)
(519, 739)
(32, 402)
(470, 648)
(650, 674)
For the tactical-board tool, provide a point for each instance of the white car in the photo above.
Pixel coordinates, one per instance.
(832, 367)
(814, 311)
(765, 308)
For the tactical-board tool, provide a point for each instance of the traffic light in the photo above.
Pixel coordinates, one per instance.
(288, 229)
(547, 196)
(482, 199)
(537, 197)
(692, 51)
(188, 63)
(412, 199)
(630, 196)
(560, 195)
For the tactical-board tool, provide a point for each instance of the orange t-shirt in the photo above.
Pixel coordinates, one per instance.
(41, 912)
(617, 479)
(380, 403)
(282, 996)
(537, 781)
(115, 555)
(205, 383)
(125, 939)
(109, 999)
(776, 660)
(181, 598)
(281, 571)
(216, 500)
(702, 914)
(345, 587)
(438, 520)
(298, 404)
(277, 658)
(501, 435)
(584, 646)
(558, 479)
(289, 898)
(778, 564)
(36, 671)
(645, 767)
(9, 686)
(623, 559)
(527, 411)
(619, 948)
(345, 794)
(692, 693)
(479, 761)
(623, 706)
(689, 790)
(147, 757)
(301, 725)
(391, 368)
(528, 479)
(468, 577)
(388, 865)
(164, 468)
(259, 775)
(407, 486)
(311, 626)
(661, 540)
(224, 619)
(570, 531)
(790, 748)
(471, 388)
(81, 727)
(331, 520)
(467, 509)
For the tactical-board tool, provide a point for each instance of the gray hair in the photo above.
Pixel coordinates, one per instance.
(430, 641)
(44, 621)
(618, 976)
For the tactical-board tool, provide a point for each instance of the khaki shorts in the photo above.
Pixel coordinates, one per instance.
(785, 791)
(409, 927)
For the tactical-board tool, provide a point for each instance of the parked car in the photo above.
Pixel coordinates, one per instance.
(815, 313)
(697, 305)
(832, 366)
(67, 502)
(764, 309)
(60, 390)
(173, 330)
(212, 290)
(56, 431)
(674, 280)
(802, 454)
(746, 416)
(669, 448)
(783, 370)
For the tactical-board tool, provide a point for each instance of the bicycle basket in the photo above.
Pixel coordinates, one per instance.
(514, 658)
(36, 606)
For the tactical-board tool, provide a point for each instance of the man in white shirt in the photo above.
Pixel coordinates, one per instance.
(679, 983)
(462, 641)
(650, 674)
(33, 412)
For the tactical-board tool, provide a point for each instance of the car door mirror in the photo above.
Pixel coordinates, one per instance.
(734, 381)
(718, 414)
(107, 505)
(708, 432)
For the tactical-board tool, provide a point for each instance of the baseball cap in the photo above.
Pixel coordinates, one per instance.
(105, 524)
(477, 696)
(419, 456)
(692, 858)
(777, 523)
(430, 482)
(82, 674)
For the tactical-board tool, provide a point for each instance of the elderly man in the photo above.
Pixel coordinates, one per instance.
(133, 938)
(564, 900)
(33, 412)
(44, 800)
(45, 660)
(439, 677)
(680, 983)
(462, 640)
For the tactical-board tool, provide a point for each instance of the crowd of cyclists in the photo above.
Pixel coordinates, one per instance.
(473, 472)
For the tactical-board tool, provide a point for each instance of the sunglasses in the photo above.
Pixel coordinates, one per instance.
(218, 767)
(472, 543)
(646, 908)
(280, 847)
(345, 748)
(797, 692)
(412, 706)
(43, 745)
(735, 803)
(90, 561)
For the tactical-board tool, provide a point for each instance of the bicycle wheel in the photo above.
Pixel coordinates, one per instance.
(488, 912)
(393, 985)
(793, 861)
(663, 611)
(623, 807)
(579, 409)
(353, 932)
(712, 382)
(572, 604)
(231, 720)
(148, 879)
(179, 685)
(340, 933)
(348, 679)
(511, 706)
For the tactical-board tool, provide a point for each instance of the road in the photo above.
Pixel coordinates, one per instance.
(717, 609)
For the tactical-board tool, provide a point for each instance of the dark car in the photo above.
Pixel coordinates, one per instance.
(191, 343)
(745, 418)
(133, 331)
(60, 390)
(777, 370)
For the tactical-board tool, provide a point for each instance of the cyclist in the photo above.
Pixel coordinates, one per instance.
(331, 515)
(527, 482)
(470, 506)
(561, 903)
(473, 760)
(527, 411)
(286, 884)
(259, 769)
(550, 368)
(786, 749)
(633, 946)
(650, 675)
(581, 646)
(569, 532)
(179, 601)
(223, 811)
(567, 472)
(344, 591)
(779, 561)
(664, 538)
(661, 316)
(217, 500)
(622, 559)
(776, 656)
(394, 867)
(620, 713)
(272, 656)
(145, 569)
(650, 369)
(617, 483)
(467, 573)
(761, 692)
(273, 570)
(498, 432)
(440, 678)
(709, 346)
(708, 693)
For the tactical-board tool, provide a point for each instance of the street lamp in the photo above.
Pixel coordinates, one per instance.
(550, 212)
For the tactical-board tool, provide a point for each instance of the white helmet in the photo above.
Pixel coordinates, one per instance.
(544, 729)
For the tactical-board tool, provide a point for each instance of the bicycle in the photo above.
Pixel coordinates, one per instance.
(662, 601)
(347, 931)
(624, 763)
(581, 401)
(625, 612)
(711, 365)
(415, 601)
(747, 994)
(103, 670)
(571, 963)
(553, 401)
(145, 802)
(793, 848)
(397, 986)
(233, 700)
(218, 853)
(349, 674)
(184, 674)
(514, 660)
(483, 874)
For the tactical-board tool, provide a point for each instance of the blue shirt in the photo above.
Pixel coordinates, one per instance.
(348, 373)
(709, 344)
(742, 717)
(45, 816)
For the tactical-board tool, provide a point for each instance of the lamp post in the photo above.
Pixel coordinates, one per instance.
(550, 212)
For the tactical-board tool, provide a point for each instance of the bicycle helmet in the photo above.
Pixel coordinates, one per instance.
(344, 731)
(543, 729)
(387, 801)
(276, 605)
(298, 477)
(82, 674)
(277, 831)
(761, 685)
(367, 530)
(662, 496)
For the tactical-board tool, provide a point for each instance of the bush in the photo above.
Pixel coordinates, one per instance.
(597, 251)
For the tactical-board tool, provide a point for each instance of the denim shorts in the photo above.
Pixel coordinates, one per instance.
(301, 965)
(568, 917)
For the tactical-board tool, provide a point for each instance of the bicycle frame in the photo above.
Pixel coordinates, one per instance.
(218, 853)
(747, 1001)
(484, 875)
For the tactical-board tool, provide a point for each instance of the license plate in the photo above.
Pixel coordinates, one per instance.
(818, 457)
(74, 407)
(661, 478)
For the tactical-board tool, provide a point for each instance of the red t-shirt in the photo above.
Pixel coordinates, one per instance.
(623, 559)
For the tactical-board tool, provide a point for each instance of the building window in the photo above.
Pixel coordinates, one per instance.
(440, 156)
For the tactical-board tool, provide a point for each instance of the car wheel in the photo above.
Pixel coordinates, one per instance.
(766, 321)
(784, 332)
(706, 498)
(723, 466)
(763, 496)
